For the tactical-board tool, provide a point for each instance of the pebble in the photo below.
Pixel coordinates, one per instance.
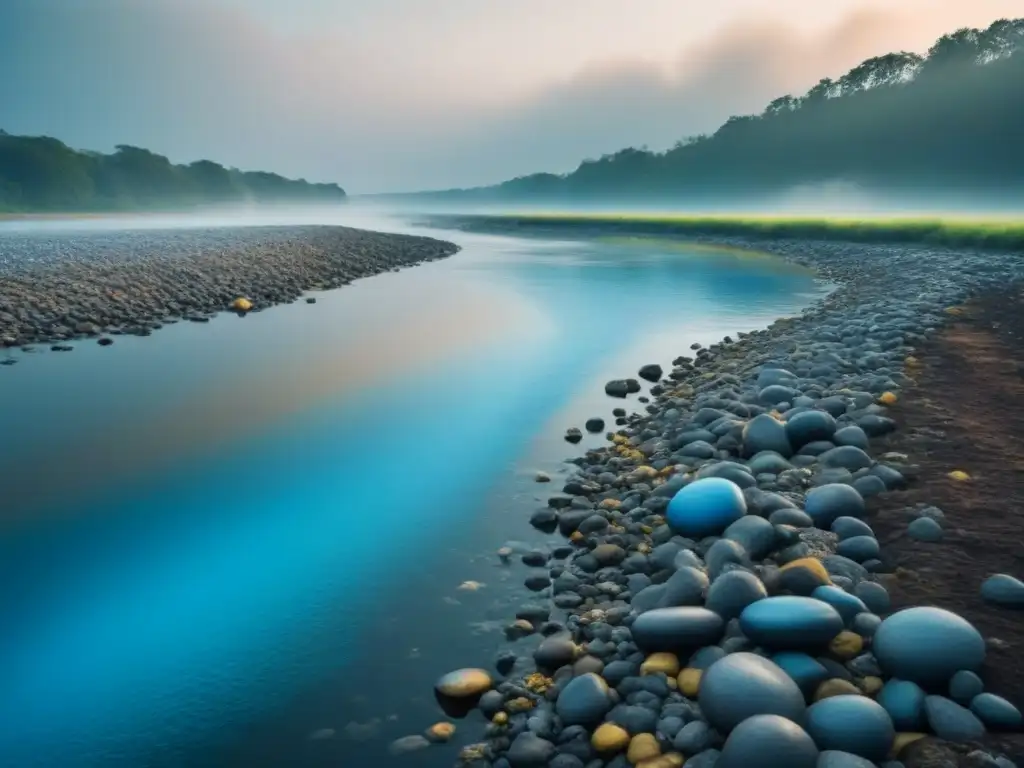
(925, 529)
(826, 503)
(996, 712)
(854, 724)
(530, 751)
(742, 685)
(1003, 590)
(904, 701)
(677, 628)
(951, 722)
(964, 686)
(791, 623)
(927, 645)
(768, 741)
(584, 700)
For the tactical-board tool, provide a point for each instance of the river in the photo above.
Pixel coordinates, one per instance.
(242, 542)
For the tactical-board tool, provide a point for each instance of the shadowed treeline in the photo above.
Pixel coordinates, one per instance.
(950, 120)
(38, 173)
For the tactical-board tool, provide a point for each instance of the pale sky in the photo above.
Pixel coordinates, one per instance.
(394, 95)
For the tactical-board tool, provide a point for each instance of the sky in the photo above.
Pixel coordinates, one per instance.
(403, 95)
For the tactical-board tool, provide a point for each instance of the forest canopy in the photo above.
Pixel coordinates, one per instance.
(39, 173)
(951, 119)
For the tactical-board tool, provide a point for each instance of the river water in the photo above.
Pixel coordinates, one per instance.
(242, 543)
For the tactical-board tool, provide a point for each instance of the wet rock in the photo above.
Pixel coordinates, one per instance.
(594, 425)
(616, 388)
(530, 751)
(765, 433)
(651, 372)
(810, 426)
(732, 592)
(573, 435)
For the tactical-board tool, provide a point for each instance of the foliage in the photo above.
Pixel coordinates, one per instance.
(39, 173)
(951, 120)
(985, 233)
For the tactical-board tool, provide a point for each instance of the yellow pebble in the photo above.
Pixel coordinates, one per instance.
(887, 398)
(836, 687)
(846, 644)
(500, 718)
(668, 760)
(871, 684)
(610, 504)
(911, 360)
(904, 740)
(576, 537)
(521, 704)
(609, 738)
(660, 662)
(643, 547)
(643, 747)
(959, 475)
(689, 681)
(811, 564)
(463, 683)
(241, 304)
(440, 731)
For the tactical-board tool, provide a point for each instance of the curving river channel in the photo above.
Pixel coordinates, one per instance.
(248, 537)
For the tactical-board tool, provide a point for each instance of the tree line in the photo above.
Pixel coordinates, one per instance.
(950, 120)
(39, 173)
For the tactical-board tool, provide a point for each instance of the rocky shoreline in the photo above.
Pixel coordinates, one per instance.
(75, 285)
(714, 592)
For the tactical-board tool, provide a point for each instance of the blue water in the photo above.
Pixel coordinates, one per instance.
(225, 537)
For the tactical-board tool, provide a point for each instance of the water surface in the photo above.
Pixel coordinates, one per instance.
(226, 537)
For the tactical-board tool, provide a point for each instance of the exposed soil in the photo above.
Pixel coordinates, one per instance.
(965, 411)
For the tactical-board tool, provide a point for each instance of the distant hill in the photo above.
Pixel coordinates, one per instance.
(38, 173)
(903, 123)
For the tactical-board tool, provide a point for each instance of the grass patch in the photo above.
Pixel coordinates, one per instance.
(988, 232)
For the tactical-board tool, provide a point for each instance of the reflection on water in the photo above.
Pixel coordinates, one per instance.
(220, 524)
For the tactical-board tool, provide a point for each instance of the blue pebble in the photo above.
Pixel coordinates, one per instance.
(927, 645)
(848, 605)
(848, 527)
(1003, 590)
(827, 502)
(807, 672)
(874, 595)
(859, 548)
(791, 623)
(768, 741)
(854, 724)
(705, 507)
(964, 686)
(866, 624)
(996, 712)
(904, 701)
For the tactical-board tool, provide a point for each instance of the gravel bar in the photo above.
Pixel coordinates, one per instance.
(713, 592)
(59, 287)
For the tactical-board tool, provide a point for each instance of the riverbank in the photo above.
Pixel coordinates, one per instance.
(634, 611)
(952, 231)
(72, 285)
